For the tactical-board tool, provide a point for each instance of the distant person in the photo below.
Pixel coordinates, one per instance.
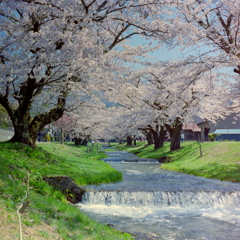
(39, 136)
(206, 132)
(55, 136)
(182, 137)
(68, 138)
(85, 141)
(52, 136)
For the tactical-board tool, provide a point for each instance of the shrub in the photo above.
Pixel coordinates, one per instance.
(212, 136)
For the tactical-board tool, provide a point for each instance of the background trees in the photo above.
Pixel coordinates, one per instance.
(165, 95)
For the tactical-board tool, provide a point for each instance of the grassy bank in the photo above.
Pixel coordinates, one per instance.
(220, 160)
(49, 215)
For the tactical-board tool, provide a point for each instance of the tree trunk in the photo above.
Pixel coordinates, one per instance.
(158, 137)
(129, 141)
(135, 140)
(22, 131)
(175, 136)
(78, 141)
(149, 137)
(62, 136)
(26, 130)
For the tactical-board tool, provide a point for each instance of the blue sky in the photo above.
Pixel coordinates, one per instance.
(167, 54)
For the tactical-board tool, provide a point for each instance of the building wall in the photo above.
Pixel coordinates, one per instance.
(233, 137)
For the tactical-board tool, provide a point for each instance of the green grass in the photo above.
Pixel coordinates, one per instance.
(80, 165)
(220, 160)
(49, 213)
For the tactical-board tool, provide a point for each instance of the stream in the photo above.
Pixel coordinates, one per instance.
(153, 203)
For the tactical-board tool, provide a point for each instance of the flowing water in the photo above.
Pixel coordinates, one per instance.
(152, 203)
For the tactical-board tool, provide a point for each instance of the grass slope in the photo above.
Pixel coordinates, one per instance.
(220, 160)
(49, 215)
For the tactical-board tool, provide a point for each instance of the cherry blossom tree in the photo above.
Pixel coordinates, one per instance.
(194, 90)
(212, 29)
(170, 93)
(210, 26)
(54, 52)
(125, 122)
(92, 121)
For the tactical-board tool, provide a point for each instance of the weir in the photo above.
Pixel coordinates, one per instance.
(202, 199)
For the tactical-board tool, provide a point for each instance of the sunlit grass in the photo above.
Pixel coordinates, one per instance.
(49, 213)
(83, 166)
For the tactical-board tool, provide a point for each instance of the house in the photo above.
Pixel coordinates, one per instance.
(191, 131)
(226, 129)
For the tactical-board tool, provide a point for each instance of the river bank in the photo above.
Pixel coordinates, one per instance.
(219, 160)
(48, 214)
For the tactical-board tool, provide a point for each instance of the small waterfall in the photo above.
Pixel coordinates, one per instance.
(185, 199)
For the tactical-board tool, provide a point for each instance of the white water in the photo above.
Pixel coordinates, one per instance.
(157, 204)
(183, 199)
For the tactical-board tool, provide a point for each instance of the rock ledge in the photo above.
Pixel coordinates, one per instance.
(67, 186)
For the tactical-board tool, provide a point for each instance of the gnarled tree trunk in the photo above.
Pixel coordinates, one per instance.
(78, 141)
(154, 135)
(158, 137)
(26, 131)
(175, 134)
(26, 128)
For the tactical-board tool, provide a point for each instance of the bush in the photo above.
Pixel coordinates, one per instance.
(48, 137)
(212, 136)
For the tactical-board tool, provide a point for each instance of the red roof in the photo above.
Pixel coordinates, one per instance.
(191, 126)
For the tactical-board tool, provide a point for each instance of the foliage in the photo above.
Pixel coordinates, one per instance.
(212, 136)
(48, 207)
